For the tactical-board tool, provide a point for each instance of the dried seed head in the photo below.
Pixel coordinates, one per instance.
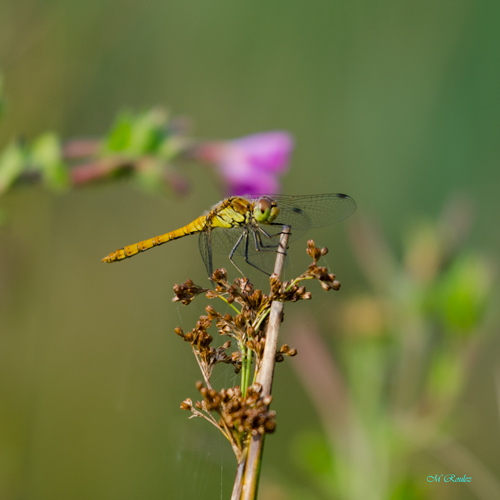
(219, 275)
(273, 279)
(270, 425)
(203, 323)
(267, 400)
(211, 311)
(284, 349)
(312, 251)
(245, 285)
(187, 404)
(239, 321)
(187, 292)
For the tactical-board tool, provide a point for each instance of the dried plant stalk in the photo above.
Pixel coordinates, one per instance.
(265, 379)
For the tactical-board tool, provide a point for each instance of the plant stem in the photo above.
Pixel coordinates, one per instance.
(246, 369)
(265, 378)
(227, 302)
(244, 364)
(238, 481)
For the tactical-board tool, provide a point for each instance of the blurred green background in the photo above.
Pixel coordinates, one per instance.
(395, 103)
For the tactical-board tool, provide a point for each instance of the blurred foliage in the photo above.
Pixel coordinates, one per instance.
(312, 454)
(144, 143)
(136, 135)
(12, 165)
(404, 356)
(396, 104)
(461, 295)
(46, 157)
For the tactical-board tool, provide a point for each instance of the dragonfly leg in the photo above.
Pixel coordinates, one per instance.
(267, 235)
(259, 246)
(262, 247)
(243, 234)
(258, 249)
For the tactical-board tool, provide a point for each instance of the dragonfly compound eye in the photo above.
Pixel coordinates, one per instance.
(262, 210)
(275, 211)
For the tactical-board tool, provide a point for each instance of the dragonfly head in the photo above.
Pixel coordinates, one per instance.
(266, 210)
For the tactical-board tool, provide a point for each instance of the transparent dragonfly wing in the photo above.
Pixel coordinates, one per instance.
(205, 247)
(298, 212)
(316, 210)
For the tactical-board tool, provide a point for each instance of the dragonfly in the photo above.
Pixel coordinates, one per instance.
(249, 226)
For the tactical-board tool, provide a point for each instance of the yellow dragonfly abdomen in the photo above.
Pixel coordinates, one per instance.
(194, 227)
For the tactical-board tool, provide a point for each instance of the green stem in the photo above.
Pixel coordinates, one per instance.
(249, 366)
(243, 368)
(256, 327)
(297, 280)
(246, 368)
(229, 304)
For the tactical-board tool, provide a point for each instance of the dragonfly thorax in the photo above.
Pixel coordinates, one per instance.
(265, 210)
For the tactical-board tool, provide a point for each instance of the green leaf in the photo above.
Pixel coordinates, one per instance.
(137, 135)
(147, 132)
(446, 375)
(12, 165)
(462, 294)
(408, 489)
(118, 139)
(46, 156)
(313, 455)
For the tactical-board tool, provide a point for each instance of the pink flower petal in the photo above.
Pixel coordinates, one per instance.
(250, 164)
(268, 151)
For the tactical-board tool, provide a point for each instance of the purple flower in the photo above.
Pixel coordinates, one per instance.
(250, 164)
